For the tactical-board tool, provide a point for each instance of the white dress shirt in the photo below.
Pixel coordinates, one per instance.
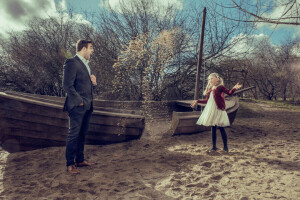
(85, 62)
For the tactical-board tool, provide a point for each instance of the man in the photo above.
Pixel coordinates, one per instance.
(78, 83)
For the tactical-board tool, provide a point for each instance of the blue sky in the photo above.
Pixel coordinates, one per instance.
(280, 34)
(15, 13)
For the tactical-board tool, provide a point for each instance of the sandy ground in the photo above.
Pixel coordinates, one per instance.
(263, 163)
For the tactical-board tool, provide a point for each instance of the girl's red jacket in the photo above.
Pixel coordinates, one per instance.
(218, 96)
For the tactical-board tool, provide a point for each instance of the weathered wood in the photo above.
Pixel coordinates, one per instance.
(243, 90)
(185, 122)
(190, 130)
(199, 63)
(36, 134)
(44, 124)
(20, 142)
(40, 108)
(98, 104)
(15, 143)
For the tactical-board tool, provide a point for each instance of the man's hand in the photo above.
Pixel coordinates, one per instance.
(93, 79)
(81, 104)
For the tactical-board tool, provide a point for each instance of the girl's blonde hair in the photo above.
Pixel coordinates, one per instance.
(209, 85)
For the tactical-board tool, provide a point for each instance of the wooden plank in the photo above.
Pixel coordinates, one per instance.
(107, 138)
(60, 101)
(51, 130)
(190, 130)
(33, 106)
(35, 134)
(113, 118)
(187, 121)
(34, 118)
(45, 98)
(193, 113)
(9, 122)
(118, 121)
(31, 124)
(19, 117)
(243, 90)
(22, 143)
(113, 130)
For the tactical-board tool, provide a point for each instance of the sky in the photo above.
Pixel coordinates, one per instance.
(15, 13)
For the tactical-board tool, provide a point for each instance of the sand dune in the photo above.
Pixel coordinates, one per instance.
(263, 163)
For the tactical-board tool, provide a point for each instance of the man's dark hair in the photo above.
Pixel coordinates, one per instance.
(82, 43)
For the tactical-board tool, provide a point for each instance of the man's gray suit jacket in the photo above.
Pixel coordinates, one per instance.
(77, 84)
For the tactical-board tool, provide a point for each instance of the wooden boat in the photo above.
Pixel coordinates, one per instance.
(185, 122)
(28, 123)
(98, 104)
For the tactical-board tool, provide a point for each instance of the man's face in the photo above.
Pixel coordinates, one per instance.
(88, 51)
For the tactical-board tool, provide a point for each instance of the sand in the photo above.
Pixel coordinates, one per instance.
(263, 163)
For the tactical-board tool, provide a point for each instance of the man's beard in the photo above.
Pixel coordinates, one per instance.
(87, 57)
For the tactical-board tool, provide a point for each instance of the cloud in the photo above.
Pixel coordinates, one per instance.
(18, 9)
(14, 14)
(115, 4)
(246, 45)
(279, 8)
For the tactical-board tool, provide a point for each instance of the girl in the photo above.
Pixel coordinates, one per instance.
(214, 113)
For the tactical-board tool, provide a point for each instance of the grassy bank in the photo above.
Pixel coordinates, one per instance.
(277, 104)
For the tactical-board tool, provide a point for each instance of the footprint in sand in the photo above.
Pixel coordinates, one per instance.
(198, 185)
(226, 172)
(217, 177)
(207, 164)
(211, 190)
(122, 183)
(244, 198)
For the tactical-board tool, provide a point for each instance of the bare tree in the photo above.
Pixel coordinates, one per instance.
(142, 69)
(32, 60)
(271, 69)
(119, 27)
(294, 87)
(34, 57)
(285, 73)
(257, 11)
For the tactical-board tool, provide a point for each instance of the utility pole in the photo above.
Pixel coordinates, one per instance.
(199, 63)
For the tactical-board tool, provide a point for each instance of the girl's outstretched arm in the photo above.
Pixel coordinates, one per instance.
(193, 104)
(203, 101)
(238, 86)
(230, 92)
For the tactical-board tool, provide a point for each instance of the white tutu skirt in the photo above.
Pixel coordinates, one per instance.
(212, 116)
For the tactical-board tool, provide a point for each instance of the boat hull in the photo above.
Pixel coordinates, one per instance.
(28, 124)
(184, 123)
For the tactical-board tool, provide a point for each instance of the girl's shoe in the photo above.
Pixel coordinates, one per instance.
(214, 149)
(226, 149)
